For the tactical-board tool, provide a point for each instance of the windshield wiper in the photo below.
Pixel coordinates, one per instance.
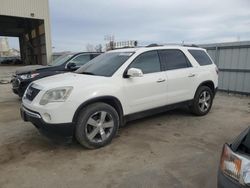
(89, 73)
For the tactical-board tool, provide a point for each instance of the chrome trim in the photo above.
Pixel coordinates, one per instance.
(37, 86)
(32, 114)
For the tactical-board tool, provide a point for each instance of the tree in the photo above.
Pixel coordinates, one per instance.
(90, 48)
(98, 48)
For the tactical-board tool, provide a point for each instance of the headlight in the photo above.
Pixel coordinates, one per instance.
(246, 175)
(56, 95)
(230, 163)
(29, 76)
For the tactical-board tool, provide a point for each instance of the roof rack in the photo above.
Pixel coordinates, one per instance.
(181, 44)
(153, 45)
(178, 44)
(186, 45)
(190, 45)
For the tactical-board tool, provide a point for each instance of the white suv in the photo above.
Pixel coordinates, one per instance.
(119, 86)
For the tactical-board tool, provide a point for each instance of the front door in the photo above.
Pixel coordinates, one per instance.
(148, 91)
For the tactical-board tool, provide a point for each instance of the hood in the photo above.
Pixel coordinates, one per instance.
(30, 68)
(69, 79)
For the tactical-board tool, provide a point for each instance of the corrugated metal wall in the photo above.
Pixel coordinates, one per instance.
(233, 61)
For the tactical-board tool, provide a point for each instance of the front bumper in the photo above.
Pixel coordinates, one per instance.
(19, 86)
(63, 131)
(227, 182)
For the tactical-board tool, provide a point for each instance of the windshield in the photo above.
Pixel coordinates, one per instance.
(105, 64)
(62, 59)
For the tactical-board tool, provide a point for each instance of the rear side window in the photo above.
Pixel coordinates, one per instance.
(174, 59)
(201, 57)
(148, 62)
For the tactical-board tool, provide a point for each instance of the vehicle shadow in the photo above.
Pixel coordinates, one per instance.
(30, 142)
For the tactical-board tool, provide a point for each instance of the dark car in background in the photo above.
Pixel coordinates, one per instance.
(11, 60)
(65, 63)
(234, 171)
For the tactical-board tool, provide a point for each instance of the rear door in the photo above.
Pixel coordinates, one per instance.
(180, 75)
(148, 91)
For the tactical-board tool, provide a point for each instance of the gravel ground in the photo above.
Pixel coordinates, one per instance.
(173, 149)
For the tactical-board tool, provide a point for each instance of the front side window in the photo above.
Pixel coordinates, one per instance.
(81, 60)
(174, 59)
(61, 59)
(106, 64)
(201, 57)
(148, 62)
(94, 55)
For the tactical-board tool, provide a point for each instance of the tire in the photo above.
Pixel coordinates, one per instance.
(97, 125)
(200, 102)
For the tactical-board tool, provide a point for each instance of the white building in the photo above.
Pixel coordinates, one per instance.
(4, 46)
(28, 20)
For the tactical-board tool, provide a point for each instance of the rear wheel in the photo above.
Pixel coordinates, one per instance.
(97, 125)
(203, 101)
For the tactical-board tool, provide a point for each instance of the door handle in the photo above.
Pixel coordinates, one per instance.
(191, 75)
(161, 80)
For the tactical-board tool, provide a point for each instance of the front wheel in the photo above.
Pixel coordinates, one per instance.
(203, 101)
(97, 125)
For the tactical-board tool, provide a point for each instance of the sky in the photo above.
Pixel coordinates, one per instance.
(78, 23)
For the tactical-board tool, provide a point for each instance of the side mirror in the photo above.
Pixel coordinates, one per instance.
(134, 72)
(71, 65)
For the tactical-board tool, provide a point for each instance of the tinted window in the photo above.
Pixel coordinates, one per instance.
(61, 59)
(148, 62)
(81, 60)
(201, 57)
(94, 55)
(105, 64)
(174, 59)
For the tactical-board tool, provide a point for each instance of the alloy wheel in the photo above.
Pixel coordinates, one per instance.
(204, 101)
(99, 126)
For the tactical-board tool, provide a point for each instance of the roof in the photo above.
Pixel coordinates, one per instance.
(74, 53)
(155, 48)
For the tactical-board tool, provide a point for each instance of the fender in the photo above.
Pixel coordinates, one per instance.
(111, 100)
(208, 83)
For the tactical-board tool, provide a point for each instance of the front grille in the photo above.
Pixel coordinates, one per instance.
(31, 93)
